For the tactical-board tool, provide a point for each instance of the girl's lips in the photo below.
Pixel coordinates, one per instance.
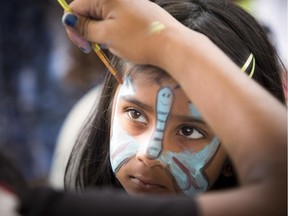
(146, 183)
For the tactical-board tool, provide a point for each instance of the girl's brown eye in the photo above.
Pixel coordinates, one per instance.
(190, 132)
(136, 115)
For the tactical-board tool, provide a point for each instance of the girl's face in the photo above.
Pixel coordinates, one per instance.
(159, 142)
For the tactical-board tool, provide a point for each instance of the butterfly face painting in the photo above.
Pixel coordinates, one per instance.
(159, 142)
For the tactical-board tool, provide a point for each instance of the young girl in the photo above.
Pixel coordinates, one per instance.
(134, 142)
(248, 120)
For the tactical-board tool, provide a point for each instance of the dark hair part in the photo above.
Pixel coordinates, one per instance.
(232, 29)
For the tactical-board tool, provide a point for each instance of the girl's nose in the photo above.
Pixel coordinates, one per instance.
(142, 157)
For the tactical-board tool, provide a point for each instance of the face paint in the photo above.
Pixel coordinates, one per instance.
(194, 112)
(164, 104)
(122, 146)
(186, 167)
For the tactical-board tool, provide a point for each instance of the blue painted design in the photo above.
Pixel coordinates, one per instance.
(163, 107)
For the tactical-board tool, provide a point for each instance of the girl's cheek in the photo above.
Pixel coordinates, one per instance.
(188, 168)
(121, 148)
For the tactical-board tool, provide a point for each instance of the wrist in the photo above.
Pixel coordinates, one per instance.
(160, 44)
(176, 48)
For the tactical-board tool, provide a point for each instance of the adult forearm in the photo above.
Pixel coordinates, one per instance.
(249, 121)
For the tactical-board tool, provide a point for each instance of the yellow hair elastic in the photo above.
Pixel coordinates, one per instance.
(96, 48)
(247, 63)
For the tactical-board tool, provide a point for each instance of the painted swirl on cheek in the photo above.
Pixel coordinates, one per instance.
(190, 179)
(187, 167)
(119, 150)
(122, 147)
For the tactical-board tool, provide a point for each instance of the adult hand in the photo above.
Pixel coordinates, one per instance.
(131, 29)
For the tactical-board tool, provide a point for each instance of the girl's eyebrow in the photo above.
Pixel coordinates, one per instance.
(182, 118)
(138, 103)
(186, 118)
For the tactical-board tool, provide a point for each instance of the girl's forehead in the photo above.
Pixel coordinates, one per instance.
(145, 87)
(150, 78)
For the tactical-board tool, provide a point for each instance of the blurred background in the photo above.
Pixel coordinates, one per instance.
(43, 76)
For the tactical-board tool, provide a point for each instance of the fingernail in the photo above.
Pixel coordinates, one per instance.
(103, 46)
(84, 45)
(69, 19)
(86, 49)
